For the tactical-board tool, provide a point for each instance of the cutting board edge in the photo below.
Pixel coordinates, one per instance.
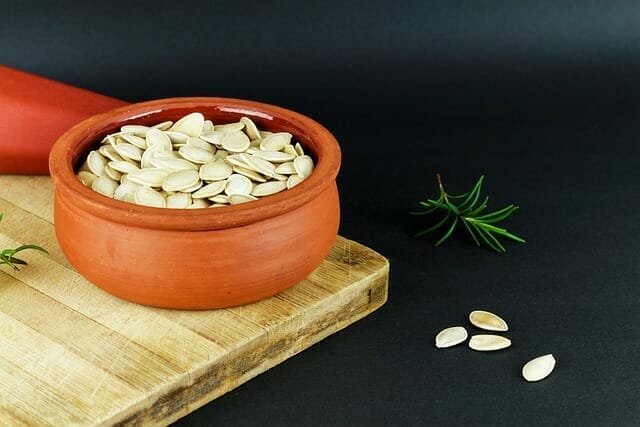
(165, 410)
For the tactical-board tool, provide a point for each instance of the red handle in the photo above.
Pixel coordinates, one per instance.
(34, 112)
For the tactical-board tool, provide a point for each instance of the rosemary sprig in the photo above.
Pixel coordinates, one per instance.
(470, 212)
(7, 256)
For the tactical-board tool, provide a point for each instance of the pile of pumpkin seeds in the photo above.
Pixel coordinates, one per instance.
(534, 370)
(194, 163)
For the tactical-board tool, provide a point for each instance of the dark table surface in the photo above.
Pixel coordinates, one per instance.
(542, 97)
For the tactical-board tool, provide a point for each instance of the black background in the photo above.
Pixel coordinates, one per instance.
(541, 96)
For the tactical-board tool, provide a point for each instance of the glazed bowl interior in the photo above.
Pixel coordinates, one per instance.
(71, 150)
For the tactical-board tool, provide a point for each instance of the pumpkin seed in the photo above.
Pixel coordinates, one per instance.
(451, 336)
(137, 130)
(273, 156)
(286, 168)
(539, 368)
(104, 185)
(164, 125)
(294, 180)
(180, 180)
(268, 188)
(250, 128)
(275, 142)
(210, 190)
(136, 140)
(199, 143)
(220, 199)
(191, 124)
(487, 321)
(238, 184)
(123, 166)
(488, 342)
(193, 162)
(236, 199)
(252, 175)
(151, 177)
(179, 200)
(124, 189)
(86, 177)
(235, 142)
(128, 151)
(149, 197)
(196, 155)
(96, 163)
(303, 166)
(229, 127)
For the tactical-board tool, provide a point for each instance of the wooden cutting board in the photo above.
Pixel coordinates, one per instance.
(71, 354)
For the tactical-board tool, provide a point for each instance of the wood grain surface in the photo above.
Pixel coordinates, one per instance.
(71, 354)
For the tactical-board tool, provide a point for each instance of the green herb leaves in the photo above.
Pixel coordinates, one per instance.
(7, 256)
(469, 211)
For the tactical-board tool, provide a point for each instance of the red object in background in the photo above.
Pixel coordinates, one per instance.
(34, 112)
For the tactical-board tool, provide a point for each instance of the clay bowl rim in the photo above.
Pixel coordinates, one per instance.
(79, 139)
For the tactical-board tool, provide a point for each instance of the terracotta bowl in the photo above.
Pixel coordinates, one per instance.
(200, 258)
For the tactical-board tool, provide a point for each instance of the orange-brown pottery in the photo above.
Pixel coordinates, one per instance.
(199, 258)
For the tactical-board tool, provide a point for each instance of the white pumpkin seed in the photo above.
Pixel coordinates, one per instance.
(252, 175)
(104, 185)
(488, 342)
(128, 151)
(180, 180)
(163, 126)
(274, 156)
(110, 153)
(215, 171)
(268, 188)
(173, 164)
(136, 140)
(86, 177)
(149, 197)
(176, 137)
(451, 336)
(123, 166)
(294, 180)
(221, 154)
(207, 127)
(111, 173)
(191, 124)
(275, 142)
(229, 127)
(211, 163)
(179, 201)
(538, 368)
(96, 163)
(199, 143)
(199, 204)
(250, 128)
(235, 142)
(196, 155)
(214, 137)
(286, 169)
(137, 130)
(303, 166)
(151, 177)
(124, 189)
(289, 149)
(487, 321)
(236, 199)
(257, 164)
(220, 199)
(210, 190)
(238, 184)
